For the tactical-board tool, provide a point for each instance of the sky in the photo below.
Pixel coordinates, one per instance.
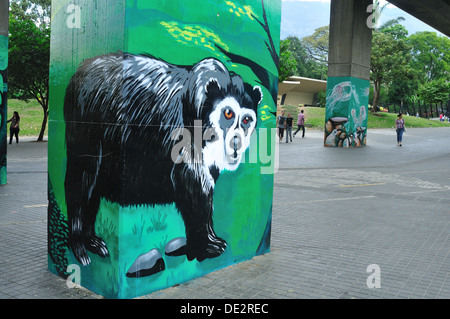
(382, 2)
(301, 17)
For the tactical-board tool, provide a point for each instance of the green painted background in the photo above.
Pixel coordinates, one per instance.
(180, 32)
(3, 106)
(347, 97)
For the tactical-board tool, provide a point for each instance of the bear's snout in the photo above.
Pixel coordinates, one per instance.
(235, 146)
(236, 142)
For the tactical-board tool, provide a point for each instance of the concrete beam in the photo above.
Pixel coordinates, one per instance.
(435, 13)
(350, 39)
(4, 17)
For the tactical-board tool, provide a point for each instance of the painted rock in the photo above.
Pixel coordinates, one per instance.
(176, 247)
(146, 264)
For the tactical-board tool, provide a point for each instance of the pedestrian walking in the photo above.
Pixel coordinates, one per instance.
(300, 123)
(289, 122)
(281, 123)
(400, 128)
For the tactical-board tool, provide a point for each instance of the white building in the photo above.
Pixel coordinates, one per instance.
(297, 90)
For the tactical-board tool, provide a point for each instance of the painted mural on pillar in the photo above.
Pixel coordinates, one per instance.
(346, 112)
(3, 106)
(161, 148)
(147, 111)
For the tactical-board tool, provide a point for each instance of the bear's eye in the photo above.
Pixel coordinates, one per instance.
(228, 114)
(247, 120)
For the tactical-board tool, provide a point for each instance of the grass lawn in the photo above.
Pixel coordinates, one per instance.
(31, 116)
(387, 120)
(315, 118)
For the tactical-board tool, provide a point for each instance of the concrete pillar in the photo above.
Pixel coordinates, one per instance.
(348, 74)
(142, 194)
(4, 22)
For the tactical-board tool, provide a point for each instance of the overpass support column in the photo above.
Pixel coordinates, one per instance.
(348, 73)
(4, 22)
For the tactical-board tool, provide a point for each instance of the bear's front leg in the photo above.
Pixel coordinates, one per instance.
(83, 200)
(195, 203)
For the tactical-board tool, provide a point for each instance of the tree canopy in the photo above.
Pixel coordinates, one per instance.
(317, 44)
(389, 63)
(435, 91)
(288, 63)
(29, 53)
(410, 67)
(310, 54)
(430, 55)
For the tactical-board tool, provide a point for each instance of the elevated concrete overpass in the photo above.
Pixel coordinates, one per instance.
(435, 13)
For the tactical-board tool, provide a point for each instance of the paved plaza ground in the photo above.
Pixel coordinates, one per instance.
(340, 216)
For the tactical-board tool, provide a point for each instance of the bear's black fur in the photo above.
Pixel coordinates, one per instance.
(121, 113)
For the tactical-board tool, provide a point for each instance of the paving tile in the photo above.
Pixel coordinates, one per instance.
(323, 235)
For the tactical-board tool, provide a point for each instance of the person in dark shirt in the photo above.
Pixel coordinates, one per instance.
(281, 124)
(289, 121)
(14, 128)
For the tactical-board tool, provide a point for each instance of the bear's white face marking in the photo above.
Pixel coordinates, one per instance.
(232, 127)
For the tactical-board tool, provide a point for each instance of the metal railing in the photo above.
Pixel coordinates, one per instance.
(419, 109)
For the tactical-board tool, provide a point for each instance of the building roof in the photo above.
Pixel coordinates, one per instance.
(301, 84)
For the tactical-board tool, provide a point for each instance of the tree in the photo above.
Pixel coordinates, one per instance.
(404, 84)
(288, 64)
(389, 58)
(435, 91)
(37, 11)
(317, 44)
(299, 54)
(405, 79)
(397, 31)
(29, 54)
(317, 47)
(322, 98)
(306, 66)
(430, 55)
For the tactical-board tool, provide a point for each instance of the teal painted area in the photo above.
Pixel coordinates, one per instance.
(101, 31)
(1, 92)
(346, 112)
(3, 52)
(3, 178)
(180, 32)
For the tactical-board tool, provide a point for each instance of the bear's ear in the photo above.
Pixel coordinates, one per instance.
(212, 88)
(256, 95)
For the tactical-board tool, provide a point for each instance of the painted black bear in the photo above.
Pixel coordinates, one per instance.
(125, 115)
